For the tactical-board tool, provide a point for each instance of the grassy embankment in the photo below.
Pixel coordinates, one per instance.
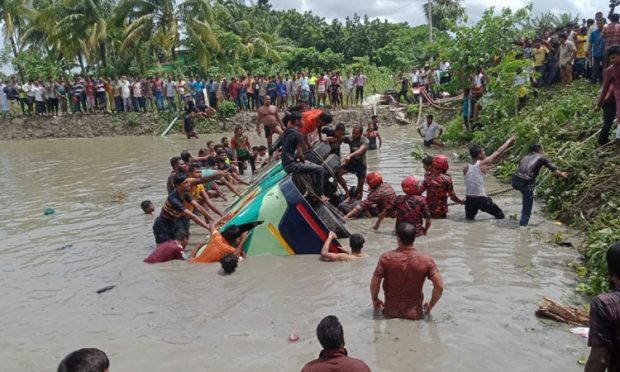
(566, 123)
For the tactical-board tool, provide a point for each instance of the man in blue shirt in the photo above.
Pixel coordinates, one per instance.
(596, 49)
(211, 91)
(199, 85)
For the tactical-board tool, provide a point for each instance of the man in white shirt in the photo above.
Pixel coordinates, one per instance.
(430, 132)
(125, 93)
(171, 92)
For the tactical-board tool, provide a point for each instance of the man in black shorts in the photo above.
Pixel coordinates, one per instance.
(355, 162)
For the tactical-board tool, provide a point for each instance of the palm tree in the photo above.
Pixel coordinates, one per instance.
(443, 10)
(565, 18)
(89, 21)
(13, 15)
(163, 22)
(545, 20)
(259, 34)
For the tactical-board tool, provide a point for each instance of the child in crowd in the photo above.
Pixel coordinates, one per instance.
(147, 207)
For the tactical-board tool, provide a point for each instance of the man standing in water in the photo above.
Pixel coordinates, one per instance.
(174, 210)
(475, 195)
(604, 336)
(524, 180)
(355, 162)
(403, 272)
(267, 115)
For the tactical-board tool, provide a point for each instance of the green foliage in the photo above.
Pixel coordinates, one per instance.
(127, 37)
(562, 121)
(34, 67)
(313, 60)
(226, 109)
(604, 231)
(483, 44)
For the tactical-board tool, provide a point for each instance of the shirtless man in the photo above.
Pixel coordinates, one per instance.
(356, 242)
(267, 115)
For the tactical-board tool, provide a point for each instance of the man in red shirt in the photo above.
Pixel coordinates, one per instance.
(170, 250)
(334, 356)
(403, 272)
(381, 195)
(411, 207)
(439, 186)
(604, 336)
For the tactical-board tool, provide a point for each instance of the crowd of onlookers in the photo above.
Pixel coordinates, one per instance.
(60, 96)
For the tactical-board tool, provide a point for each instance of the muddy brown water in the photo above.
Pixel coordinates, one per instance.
(174, 315)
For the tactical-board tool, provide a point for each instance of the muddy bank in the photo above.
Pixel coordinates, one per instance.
(134, 124)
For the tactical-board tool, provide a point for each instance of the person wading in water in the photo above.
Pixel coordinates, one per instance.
(524, 180)
(267, 116)
(475, 195)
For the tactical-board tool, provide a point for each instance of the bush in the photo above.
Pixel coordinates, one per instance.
(226, 109)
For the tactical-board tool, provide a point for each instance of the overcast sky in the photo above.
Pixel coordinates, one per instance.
(411, 11)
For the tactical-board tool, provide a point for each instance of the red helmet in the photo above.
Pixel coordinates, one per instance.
(374, 179)
(440, 162)
(411, 186)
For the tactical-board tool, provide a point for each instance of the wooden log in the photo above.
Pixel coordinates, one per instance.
(552, 309)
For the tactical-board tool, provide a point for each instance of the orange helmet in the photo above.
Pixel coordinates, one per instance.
(440, 162)
(411, 186)
(374, 179)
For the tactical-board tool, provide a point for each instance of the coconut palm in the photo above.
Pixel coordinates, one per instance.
(545, 20)
(164, 21)
(88, 21)
(13, 15)
(259, 34)
(564, 19)
(442, 11)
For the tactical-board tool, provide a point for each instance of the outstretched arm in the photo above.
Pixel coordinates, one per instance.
(353, 212)
(499, 152)
(195, 218)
